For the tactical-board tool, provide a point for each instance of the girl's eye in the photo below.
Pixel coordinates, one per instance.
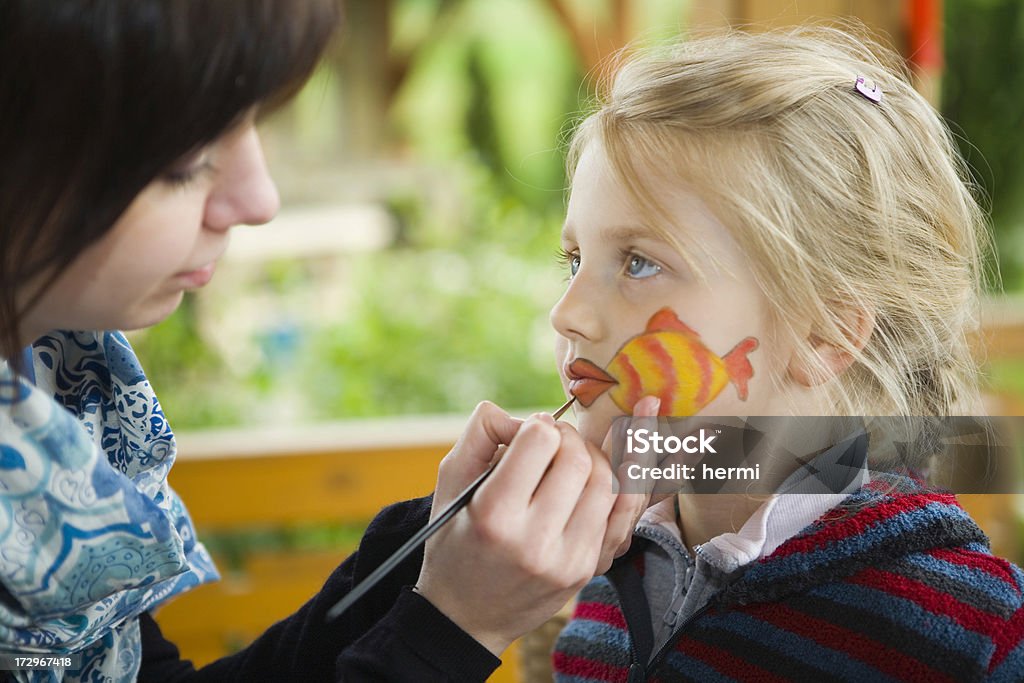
(638, 267)
(570, 259)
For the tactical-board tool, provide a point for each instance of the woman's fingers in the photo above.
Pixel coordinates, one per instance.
(488, 429)
(515, 539)
(621, 522)
(586, 531)
(522, 467)
(557, 494)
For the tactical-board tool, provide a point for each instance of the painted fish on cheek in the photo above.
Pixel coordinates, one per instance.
(667, 360)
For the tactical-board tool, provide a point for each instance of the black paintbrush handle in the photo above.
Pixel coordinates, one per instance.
(409, 546)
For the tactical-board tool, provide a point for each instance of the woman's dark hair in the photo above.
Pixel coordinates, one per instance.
(99, 97)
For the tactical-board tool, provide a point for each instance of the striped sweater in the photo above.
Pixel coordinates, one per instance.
(897, 584)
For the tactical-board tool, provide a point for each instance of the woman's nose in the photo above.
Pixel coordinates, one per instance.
(577, 314)
(244, 192)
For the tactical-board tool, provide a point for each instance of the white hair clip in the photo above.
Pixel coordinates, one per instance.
(874, 93)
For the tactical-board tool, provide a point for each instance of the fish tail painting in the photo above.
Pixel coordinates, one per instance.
(738, 366)
(667, 360)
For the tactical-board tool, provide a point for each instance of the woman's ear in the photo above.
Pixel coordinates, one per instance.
(827, 360)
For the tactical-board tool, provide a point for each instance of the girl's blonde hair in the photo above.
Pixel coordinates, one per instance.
(847, 209)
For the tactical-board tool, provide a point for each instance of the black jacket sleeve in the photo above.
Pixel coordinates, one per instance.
(390, 634)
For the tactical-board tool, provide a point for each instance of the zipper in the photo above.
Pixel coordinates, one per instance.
(670, 643)
(677, 603)
(638, 671)
(663, 652)
(634, 657)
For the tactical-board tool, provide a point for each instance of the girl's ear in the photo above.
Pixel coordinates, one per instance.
(828, 360)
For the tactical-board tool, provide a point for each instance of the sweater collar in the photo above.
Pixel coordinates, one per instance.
(889, 518)
(822, 483)
(779, 518)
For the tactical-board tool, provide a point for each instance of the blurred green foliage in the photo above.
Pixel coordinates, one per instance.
(444, 322)
(983, 99)
(494, 83)
(1007, 376)
(456, 310)
(187, 372)
(233, 548)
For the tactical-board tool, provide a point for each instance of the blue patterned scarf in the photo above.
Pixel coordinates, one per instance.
(91, 535)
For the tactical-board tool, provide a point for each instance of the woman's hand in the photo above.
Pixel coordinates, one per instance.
(543, 524)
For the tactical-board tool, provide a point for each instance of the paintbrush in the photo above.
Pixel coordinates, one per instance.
(421, 536)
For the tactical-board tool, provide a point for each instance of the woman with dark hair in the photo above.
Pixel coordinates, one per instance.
(128, 153)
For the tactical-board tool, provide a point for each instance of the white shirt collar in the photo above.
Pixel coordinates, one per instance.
(778, 519)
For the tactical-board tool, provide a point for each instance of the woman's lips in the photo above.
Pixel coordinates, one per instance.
(194, 279)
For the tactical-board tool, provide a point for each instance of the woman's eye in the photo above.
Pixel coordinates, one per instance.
(189, 170)
(639, 267)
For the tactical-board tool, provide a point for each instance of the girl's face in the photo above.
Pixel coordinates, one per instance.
(166, 242)
(621, 273)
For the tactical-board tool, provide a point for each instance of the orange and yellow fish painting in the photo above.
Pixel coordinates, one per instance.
(667, 360)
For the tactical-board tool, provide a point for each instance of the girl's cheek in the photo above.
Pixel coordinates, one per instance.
(561, 348)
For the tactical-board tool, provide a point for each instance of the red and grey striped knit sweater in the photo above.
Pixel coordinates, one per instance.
(896, 584)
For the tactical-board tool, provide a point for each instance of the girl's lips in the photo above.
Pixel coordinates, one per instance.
(587, 387)
(587, 380)
(194, 279)
(581, 369)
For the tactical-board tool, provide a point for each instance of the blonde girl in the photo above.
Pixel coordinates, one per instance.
(793, 188)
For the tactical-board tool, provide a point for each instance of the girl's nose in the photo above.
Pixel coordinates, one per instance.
(244, 192)
(577, 315)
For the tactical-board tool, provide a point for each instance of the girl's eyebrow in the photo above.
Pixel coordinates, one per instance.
(619, 233)
(626, 233)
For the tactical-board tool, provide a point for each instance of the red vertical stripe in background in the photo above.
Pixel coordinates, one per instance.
(924, 46)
